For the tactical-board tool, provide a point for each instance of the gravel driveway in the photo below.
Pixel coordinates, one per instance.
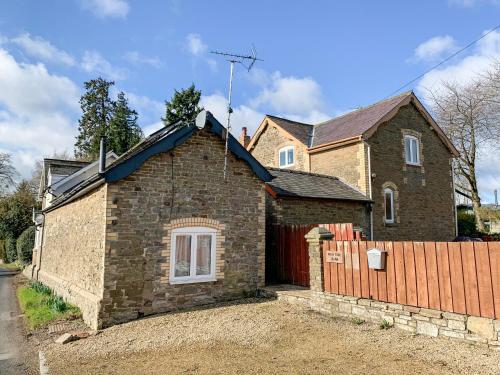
(263, 336)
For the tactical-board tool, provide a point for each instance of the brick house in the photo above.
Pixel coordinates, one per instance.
(392, 151)
(159, 228)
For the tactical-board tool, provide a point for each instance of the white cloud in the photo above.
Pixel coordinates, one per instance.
(466, 69)
(43, 49)
(242, 115)
(151, 128)
(93, 62)
(195, 45)
(36, 108)
(107, 8)
(435, 48)
(293, 95)
(135, 57)
(150, 111)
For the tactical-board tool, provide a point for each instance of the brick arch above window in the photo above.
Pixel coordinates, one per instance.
(395, 201)
(194, 222)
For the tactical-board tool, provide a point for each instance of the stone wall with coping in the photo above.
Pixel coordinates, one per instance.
(435, 323)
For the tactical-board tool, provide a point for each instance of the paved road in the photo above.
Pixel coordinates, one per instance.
(11, 338)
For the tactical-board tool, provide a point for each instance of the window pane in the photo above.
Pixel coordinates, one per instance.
(388, 206)
(203, 257)
(408, 149)
(290, 156)
(282, 158)
(182, 255)
(414, 151)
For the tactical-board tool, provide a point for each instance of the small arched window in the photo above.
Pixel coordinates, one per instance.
(286, 156)
(389, 205)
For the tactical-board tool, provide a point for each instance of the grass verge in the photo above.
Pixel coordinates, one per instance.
(9, 266)
(41, 307)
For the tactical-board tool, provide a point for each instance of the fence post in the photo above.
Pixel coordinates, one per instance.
(315, 239)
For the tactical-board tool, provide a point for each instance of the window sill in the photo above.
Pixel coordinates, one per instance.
(390, 224)
(192, 281)
(414, 164)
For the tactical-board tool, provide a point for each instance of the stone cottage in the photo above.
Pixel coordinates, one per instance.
(392, 152)
(159, 228)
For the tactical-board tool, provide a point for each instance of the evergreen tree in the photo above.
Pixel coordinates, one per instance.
(123, 132)
(184, 106)
(97, 108)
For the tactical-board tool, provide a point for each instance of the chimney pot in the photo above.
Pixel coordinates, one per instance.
(244, 138)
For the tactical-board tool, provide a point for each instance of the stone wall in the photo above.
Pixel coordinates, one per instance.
(348, 162)
(266, 149)
(471, 329)
(71, 258)
(186, 186)
(425, 199)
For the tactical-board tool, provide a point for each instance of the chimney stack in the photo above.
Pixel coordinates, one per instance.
(102, 155)
(244, 138)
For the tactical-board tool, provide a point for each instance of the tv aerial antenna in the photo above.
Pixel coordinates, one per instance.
(248, 61)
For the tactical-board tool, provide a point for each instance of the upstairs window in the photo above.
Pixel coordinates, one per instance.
(192, 258)
(287, 157)
(412, 150)
(389, 205)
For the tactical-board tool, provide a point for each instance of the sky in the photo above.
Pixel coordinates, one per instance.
(321, 59)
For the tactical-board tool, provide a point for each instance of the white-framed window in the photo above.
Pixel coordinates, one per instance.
(192, 256)
(389, 205)
(412, 150)
(286, 156)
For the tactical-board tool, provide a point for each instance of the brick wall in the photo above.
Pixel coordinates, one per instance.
(424, 193)
(266, 149)
(145, 206)
(71, 259)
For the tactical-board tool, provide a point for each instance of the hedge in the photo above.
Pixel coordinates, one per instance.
(25, 244)
(2, 250)
(10, 250)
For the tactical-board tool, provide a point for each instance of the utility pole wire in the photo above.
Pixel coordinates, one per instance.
(442, 62)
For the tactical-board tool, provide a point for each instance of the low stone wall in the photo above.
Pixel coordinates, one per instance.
(471, 329)
(418, 320)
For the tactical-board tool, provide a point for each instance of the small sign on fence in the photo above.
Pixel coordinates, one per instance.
(333, 256)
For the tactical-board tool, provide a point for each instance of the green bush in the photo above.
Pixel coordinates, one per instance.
(10, 250)
(466, 224)
(2, 251)
(25, 244)
(40, 288)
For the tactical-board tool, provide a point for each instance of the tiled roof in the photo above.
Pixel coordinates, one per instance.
(300, 130)
(354, 123)
(288, 183)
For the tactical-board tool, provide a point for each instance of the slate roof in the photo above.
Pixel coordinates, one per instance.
(288, 183)
(354, 123)
(300, 130)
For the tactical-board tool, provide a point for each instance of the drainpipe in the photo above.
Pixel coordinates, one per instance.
(454, 197)
(370, 188)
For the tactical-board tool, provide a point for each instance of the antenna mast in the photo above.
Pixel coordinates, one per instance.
(232, 59)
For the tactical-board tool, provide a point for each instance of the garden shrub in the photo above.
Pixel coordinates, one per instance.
(25, 244)
(2, 251)
(466, 224)
(10, 250)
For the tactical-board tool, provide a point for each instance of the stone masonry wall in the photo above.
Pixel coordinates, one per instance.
(471, 329)
(182, 186)
(425, 199)
(71, 259)
(348, 163)
(266, 149)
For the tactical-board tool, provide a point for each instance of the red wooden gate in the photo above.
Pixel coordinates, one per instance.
(287, 257)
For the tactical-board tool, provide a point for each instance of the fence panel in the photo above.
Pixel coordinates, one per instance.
(451, 276)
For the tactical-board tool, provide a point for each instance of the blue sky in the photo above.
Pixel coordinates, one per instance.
(322, 58)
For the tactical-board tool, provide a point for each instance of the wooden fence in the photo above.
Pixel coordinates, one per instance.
(461, 277)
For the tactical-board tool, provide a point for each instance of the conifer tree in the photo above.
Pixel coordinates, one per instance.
(184, 106)
(123, 132)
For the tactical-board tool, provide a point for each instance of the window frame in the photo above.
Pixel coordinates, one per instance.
(392, 219)
(194, 232)
(286, 150)
(417, 145)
